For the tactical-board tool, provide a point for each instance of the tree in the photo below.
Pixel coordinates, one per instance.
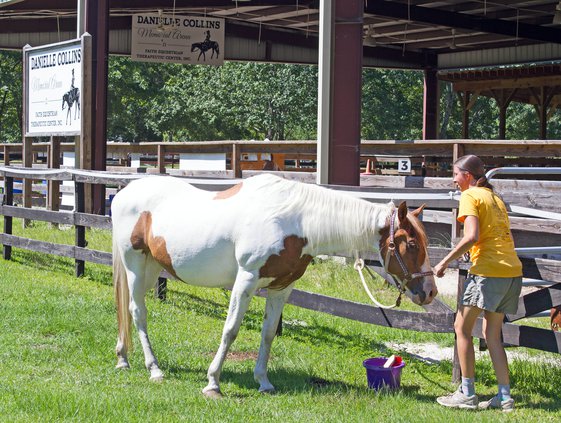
(132, 88)
(10, 96)
(155, 101)
(233, 101)
(392, 104)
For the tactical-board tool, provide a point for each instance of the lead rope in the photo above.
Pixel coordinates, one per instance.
(359, 265)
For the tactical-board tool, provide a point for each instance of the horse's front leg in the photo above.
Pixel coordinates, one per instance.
(273, 310)
(242, 292)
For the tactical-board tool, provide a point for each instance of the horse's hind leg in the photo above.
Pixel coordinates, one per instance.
(142, 274)
(273, 309)
(242, 292)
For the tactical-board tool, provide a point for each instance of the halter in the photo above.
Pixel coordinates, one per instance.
(392, 251)
(401, 286)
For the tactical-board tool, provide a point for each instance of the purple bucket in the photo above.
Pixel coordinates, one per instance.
(378, 376)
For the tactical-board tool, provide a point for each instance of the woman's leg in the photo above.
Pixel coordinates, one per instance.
(492, 327)
(463, 326)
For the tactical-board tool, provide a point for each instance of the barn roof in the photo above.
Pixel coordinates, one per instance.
(524, 84)
(397, 33)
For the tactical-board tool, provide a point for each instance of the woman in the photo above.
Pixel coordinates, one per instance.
(493, 284)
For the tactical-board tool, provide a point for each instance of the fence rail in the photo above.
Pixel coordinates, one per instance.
(430, 157)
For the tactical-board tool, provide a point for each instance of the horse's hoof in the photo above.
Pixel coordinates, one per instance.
(122, 365)
(268, 391)
(156, 376)
(212, 393)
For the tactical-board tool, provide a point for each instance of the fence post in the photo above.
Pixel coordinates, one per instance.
(161, 158)
(53, 201)
(456, 370)
(236, 162)
(79, 194)
(8, 201)
(161, 288)
(455, 234)
(458, 150)
(27, 182)
(6, 155)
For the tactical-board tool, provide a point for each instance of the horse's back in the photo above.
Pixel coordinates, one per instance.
(198, 228)
(149, 195)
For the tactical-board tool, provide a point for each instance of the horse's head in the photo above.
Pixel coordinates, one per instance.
(403, 250)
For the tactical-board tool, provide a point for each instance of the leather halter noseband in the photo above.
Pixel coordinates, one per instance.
(393, 251)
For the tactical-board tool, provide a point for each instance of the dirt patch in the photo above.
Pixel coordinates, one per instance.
(434, 354)
(238, 355)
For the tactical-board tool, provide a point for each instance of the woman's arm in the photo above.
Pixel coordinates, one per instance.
(471, 236)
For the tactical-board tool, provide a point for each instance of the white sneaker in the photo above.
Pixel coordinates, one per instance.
(507, 405)
(458, 400)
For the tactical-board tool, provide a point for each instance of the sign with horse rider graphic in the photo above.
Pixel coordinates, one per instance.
(52, 84)
(177, 39)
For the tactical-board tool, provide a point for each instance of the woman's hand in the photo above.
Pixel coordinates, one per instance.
(471, 236)
(439, 269)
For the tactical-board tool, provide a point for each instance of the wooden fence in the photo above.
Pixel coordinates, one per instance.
(429, 157)
(438, 318)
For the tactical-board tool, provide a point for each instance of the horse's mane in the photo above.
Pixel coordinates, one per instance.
(326, 215)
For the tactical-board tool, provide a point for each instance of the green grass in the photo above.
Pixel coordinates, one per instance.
(58, 333)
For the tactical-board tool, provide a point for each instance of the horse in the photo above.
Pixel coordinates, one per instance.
(72, 97)
(204, 47)
(261, 233)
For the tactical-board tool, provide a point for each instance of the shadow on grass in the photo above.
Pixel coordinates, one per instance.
(41, 261)
(294, 382)
(254, 320)
(51, 263)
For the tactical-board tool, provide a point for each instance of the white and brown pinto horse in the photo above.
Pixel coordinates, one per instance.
(261, 233)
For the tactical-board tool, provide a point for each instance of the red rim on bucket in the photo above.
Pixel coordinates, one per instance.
(379, 377)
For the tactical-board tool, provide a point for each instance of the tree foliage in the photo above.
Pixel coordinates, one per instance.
(153, 102)
(392, 104)
(233, 101)
(10, 96)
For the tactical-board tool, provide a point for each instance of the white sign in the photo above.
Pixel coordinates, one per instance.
(53, 86)
(177, 39)
(404, 165)
(203, 161)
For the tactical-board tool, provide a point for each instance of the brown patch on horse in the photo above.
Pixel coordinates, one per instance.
(140, 232)
(143, 239)
(287, 266)
(230, 192)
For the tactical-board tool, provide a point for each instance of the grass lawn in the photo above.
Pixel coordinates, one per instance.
(58, 334)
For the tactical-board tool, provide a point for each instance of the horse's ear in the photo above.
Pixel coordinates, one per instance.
(402, 212)
(418, 211)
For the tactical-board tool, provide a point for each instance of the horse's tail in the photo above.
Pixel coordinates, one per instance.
(122, 297)
(63, 100)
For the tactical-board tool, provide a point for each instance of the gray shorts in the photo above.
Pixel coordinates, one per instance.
(492, 294)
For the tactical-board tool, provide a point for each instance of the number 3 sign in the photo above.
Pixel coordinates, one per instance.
(404, 165)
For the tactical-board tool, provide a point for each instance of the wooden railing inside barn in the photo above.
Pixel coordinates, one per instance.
(438, 318)
(429, 157)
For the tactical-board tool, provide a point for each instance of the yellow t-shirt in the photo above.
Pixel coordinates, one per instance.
(493, 255)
